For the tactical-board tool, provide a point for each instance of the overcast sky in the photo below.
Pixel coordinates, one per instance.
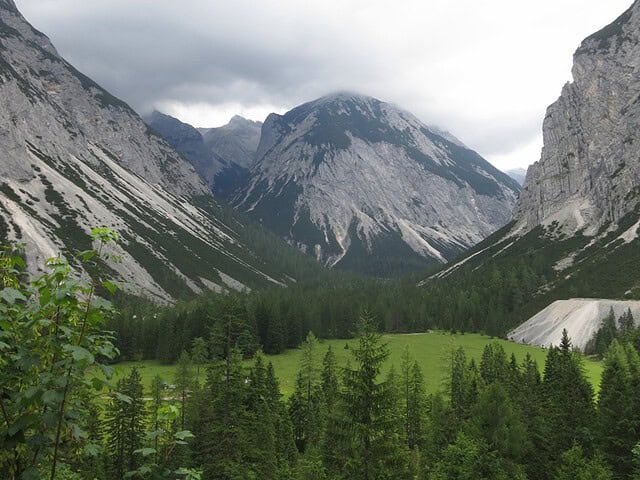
(483, 69)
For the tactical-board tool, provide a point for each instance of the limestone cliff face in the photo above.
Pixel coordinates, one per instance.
(363, 185)
(589, 171)
(73, 157)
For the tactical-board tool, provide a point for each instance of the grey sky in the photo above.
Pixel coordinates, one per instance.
(483, 69)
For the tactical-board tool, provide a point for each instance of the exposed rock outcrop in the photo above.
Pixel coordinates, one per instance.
(364, 185)
(589, 171)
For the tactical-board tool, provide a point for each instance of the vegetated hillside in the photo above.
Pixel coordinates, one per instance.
(575, 231)
(75, 157)
(363, 185)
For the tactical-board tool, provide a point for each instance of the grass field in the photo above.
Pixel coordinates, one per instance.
(431, 350)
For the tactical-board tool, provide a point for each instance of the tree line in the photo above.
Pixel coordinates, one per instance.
(280, 318)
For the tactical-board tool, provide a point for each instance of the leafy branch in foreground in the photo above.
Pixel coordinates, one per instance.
(52, 343)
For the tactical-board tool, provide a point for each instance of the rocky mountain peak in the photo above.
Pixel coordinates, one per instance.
(589, 171)
(75, 157)
(351, 179)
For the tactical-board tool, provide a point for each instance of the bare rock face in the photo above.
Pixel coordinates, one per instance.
(361, 184)
(73, 157)
(221, 155)
(589, 172)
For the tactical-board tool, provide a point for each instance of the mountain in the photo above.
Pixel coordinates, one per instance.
(222, 156)
(75, 157)
(361, 184)
(518, 174)
(576, 225)
(589, 172)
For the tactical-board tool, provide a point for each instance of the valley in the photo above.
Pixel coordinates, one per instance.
(137, 248)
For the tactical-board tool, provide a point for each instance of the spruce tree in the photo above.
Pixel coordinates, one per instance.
(329, 379)
(413, 399)
(568, 399)
(125, 425)
(375, 451)
(575, 466)
(305, 403)
(222, 443)
(616, 423)
(184, 383)
(199, 354)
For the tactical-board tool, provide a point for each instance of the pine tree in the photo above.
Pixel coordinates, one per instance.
(413, 399)
(329, 379)
(463, 384)
(575, 466)
(493, 365)
(615, 420)
(184, 383)
(222, 442)
(286, 451)
(305, 403)
(499, 424)
(368, 406)
(199, 353)
(125, 425)
(568, 399)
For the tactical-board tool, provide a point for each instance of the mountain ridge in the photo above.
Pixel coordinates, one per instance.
(75, 157)
(326, 166)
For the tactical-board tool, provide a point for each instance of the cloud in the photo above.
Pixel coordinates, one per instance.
(486, 71)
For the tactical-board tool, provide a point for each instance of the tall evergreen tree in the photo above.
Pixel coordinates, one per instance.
(329, 379)
(616, 423)
(305, 403)
(568, 400)
(184, 383)
(413, 399)
(494, 366)
(199, 353)
(221, 441)
(125, 425)
(368, 403)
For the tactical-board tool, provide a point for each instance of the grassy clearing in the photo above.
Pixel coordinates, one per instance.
(431, 350)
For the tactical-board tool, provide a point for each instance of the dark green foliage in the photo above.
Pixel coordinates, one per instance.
(463, 385)
(373, 448)
(242, 430)
(125, 426)
(568, 398)
(305, 405)
(498, 422)
(617, 422)
(623, 330)
(575, 466)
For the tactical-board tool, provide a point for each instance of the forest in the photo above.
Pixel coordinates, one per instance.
(63, 417)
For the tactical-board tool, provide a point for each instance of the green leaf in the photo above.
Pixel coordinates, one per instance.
(112, 287)
(51, 397)
(107, 370)
(146, 451)
(91, 450)
(11, 295)
(182, 435)
(87, 255)
(80, 353)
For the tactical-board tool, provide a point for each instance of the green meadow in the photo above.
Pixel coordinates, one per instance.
(431, 350)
